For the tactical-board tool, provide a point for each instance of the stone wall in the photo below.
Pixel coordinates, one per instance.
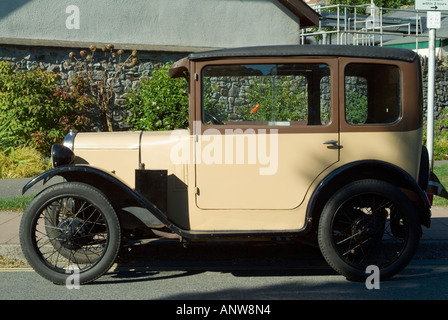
(54, 58)
(441, 87)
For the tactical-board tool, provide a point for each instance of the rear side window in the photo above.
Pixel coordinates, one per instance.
(372, 94)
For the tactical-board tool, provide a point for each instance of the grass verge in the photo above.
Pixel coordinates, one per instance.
(15, 204)
(441, 173)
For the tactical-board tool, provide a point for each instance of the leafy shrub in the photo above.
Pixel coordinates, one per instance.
(356, 107)
(22, 162)
(35, 110)
(440, 136)
(277, 98)
(161, 103)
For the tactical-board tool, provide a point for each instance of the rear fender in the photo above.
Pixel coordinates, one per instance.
(369, 169)
(435, 187)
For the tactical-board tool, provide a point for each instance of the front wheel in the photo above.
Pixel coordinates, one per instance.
(368, 222)
(70, 227)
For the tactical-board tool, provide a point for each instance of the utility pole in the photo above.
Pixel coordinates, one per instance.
(433, 23)
(430, 97)
(433, 10)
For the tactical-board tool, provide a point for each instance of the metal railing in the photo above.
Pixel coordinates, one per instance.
(365, 25)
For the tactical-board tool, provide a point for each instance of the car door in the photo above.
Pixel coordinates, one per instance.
(264, 131)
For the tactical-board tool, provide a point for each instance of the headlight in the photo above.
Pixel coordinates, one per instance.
(69, 139)
(61, 155)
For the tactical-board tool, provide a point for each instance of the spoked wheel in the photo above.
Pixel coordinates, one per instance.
(368, 222)
(70, 226)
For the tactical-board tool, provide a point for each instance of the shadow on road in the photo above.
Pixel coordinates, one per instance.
(146, 262)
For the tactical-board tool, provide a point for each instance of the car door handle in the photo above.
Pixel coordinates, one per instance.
(332, 144)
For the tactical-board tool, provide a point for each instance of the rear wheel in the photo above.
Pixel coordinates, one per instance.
(70, 226)
(368, 222)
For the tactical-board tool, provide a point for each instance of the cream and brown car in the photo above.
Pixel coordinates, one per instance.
(322, 142)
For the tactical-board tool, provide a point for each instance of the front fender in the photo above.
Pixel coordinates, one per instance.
(68, 172)
(105, 182)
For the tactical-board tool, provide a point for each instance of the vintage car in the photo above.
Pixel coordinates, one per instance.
(314, 141)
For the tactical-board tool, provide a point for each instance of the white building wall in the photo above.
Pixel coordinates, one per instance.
(180, 23)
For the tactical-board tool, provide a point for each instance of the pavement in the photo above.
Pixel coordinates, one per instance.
(433, 244)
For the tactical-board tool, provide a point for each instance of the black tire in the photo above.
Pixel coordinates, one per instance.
(368, 222)
(70, 226)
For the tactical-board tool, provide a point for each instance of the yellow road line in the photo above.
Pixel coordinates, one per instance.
(24, 269)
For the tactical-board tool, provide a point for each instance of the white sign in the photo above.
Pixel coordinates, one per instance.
(431, 5)
(433, 21)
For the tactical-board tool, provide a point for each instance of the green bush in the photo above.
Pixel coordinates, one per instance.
(276, 98)
(356, 107)
(160, 103)
(440, 136)
(35, 110)
(23, 162)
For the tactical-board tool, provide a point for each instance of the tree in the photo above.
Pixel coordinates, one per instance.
(102, 70)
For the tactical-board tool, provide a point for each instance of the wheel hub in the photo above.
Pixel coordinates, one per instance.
(72, 233)
(367, 227)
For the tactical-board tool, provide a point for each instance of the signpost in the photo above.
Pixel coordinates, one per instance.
(433, 9)
(428, 5)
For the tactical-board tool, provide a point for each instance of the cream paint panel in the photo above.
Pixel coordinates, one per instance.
(107, 141)
(168, 150)
(119, 162)
(384, 146)
(241, 220)
(399, 148)
(115, 152)
(300, 159)
(171, 150)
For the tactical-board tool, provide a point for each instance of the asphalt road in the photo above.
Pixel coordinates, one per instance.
(419, 281)
(237, 273)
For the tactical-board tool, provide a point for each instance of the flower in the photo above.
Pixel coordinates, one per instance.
(92, 48)
(120, 52)
(71, 55)
(134, 53)
(83, 53)
(255, 109)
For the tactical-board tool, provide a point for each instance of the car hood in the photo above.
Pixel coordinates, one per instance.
(123, 152)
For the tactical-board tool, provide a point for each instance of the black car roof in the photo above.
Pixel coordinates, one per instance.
(308, 50)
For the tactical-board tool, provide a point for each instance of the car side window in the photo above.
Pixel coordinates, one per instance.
(266, 94)
(372, 94)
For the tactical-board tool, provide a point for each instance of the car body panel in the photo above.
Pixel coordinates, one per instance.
(208, 190)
